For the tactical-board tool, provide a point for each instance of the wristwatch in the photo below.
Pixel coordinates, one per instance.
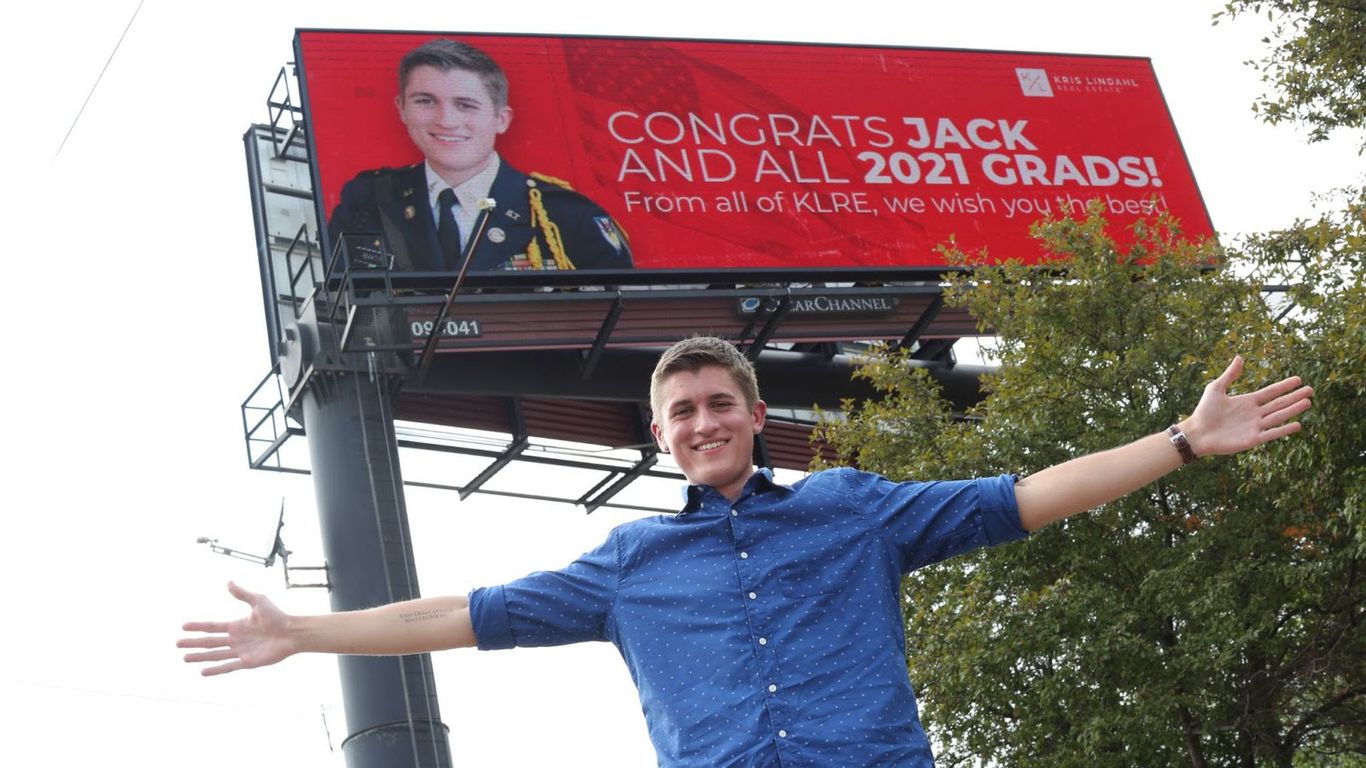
(1183, 445)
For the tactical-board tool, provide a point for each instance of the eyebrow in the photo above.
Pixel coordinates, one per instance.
(712, 398)
(475, 100)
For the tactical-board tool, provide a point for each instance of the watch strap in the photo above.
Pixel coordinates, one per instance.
(1183, 445)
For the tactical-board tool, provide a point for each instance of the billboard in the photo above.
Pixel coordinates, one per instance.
(640, 159)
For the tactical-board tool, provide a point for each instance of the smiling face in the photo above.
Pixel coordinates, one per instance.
(453, 119)
(704, 421)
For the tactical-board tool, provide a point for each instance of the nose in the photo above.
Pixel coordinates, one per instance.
(705, 423)
(447, 114)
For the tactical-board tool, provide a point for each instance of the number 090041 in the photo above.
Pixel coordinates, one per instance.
(449, 327)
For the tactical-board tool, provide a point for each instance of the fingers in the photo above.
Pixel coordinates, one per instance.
(1279, 432)
(1288, 399)
(1272, 391)
(221, 669)
(219, 627)
(216, 641)
(1290, 411)
(218, 655)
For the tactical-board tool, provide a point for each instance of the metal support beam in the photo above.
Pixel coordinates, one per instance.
(609, 324)
(505, 458)
(771, 325)
(480, 224)
(936, 350)
(923, 323)
(647, 460)
(520, 442)
(788, 379)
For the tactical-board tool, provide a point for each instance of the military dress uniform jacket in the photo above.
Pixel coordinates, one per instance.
(388, 221)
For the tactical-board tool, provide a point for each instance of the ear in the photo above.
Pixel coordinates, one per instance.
(659, 436)
(760, 411)
(504, 119)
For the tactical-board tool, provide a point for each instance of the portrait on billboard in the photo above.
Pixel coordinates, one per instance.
(453, 102)
(722, 159)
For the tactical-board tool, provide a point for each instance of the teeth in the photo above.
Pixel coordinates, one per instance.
(709, 446)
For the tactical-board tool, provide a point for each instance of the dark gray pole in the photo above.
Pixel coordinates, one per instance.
(392, 716)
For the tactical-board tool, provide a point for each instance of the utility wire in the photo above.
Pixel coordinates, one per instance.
(98, 79)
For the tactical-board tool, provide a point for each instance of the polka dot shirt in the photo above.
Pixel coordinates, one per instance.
(765, 631)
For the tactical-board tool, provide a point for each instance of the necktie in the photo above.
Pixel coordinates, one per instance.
(447, 231)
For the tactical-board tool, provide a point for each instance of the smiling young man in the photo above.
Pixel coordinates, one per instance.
(453, 101)
(761, 624)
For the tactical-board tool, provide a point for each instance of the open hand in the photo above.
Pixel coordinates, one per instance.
(260, 639)
(1224, 423)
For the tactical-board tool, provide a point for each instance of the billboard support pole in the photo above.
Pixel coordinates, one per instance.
(391, 707)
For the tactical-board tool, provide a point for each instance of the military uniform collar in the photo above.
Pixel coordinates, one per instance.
(469, 194)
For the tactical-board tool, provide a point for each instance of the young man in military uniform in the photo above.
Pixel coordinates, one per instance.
(453, 99)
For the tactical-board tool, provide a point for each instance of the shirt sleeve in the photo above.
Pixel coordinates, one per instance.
(570, 605)
(933, 521)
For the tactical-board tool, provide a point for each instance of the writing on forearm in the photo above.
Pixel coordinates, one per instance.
(431, 614)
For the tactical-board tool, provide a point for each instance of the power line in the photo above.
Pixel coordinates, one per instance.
(98, 79)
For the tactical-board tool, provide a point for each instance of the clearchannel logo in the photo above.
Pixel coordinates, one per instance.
(823, 305)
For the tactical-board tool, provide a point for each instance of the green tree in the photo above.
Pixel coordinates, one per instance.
(1212, 618)
(1316, 66)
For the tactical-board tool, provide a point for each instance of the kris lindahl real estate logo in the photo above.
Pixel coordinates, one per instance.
(1036, 82)
(1033, 82)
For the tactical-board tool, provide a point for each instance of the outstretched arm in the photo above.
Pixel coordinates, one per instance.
(268, 635)
(1221, 424)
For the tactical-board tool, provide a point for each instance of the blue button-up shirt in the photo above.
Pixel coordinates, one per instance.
(767, 631)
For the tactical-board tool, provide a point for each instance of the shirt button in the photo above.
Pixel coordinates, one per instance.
(782, 734)
(763, 641)
(744, 555)
(735, 513)
(753, 596)
(773, 689)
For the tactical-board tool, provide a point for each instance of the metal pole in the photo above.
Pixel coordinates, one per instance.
(392, 715)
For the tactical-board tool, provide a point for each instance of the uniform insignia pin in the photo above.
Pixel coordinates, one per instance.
(515, 216)
(497, 235)
(410, 212)
(608, 229)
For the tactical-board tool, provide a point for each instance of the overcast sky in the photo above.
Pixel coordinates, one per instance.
(134, 331)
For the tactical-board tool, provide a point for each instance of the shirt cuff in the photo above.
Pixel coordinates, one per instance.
(1000, 512)
(489, 615)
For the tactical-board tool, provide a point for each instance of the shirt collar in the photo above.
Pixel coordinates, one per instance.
(762, 480)
(469, 194)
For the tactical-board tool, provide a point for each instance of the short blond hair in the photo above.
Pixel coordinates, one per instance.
(696, 352)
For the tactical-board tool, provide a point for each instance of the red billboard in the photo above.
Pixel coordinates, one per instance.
(648, 157)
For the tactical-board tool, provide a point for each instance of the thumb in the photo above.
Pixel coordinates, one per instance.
(250, 598)
(1230, 374)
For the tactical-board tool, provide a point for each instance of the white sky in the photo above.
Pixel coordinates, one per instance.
(134, 319)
